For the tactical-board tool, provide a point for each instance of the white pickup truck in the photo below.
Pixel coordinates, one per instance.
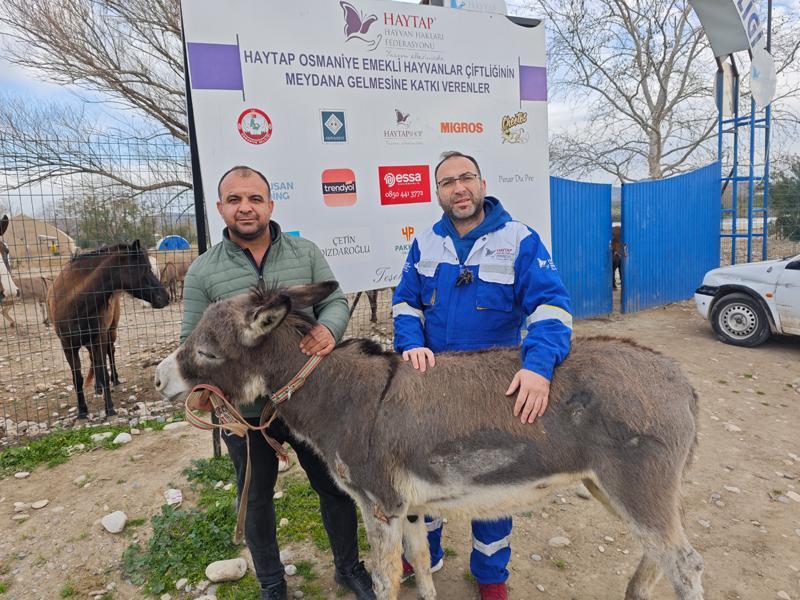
(747, 303)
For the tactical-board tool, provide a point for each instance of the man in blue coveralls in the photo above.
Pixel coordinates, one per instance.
(478, 279)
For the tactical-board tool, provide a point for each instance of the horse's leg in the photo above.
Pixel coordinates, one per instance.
(74, 360)
(98, 354)
(111, 350)
(372, 296)
(415, 548)
(7, 316)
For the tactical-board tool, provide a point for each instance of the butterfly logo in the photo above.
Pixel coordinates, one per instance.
(357, 24)
(401, 118)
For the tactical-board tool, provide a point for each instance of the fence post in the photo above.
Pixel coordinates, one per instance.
(199, 200)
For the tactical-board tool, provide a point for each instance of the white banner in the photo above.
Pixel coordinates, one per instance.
(730, 25)
(346, 107)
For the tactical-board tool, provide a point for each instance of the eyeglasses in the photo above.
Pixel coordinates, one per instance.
(464, 179)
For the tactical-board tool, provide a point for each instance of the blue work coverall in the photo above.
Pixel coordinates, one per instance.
(514, 298)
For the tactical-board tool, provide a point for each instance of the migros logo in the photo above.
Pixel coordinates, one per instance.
(461, 127)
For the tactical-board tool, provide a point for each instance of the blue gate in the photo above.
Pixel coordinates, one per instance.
(670, 235)
(580, 216)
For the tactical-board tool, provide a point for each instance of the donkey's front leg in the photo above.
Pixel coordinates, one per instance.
(385, 535)
(417, 552)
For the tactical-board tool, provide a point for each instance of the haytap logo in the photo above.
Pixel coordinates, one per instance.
(357, 25)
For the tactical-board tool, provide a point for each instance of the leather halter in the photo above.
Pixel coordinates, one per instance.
(230, 419)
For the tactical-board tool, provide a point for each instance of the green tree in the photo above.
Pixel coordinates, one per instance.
(784, 201)
(95, 220)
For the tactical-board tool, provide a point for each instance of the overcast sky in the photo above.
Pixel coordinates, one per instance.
(18, 82)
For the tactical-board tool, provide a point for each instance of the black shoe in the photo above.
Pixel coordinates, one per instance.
(358, 581)
(276, 591)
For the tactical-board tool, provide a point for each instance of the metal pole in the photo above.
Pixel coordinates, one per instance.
(767, 124)
(199, 199)
(735, 169)
(720, 100)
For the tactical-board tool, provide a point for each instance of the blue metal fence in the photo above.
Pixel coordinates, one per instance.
(580, 214)
(670, 232)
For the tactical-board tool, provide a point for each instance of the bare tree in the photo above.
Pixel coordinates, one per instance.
(123, 54)
(128, 50)
(640, 72)
(39, 142)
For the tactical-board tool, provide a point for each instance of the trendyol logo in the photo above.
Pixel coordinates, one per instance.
(338, 187)
(407, 184)
(357, 25)
(254, 126)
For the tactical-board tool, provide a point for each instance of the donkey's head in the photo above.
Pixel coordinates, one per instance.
(243, 345)
(135, 275)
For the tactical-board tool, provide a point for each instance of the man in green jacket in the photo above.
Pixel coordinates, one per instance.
(254, 250)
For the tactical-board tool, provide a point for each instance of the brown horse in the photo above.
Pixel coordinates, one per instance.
(82, 306)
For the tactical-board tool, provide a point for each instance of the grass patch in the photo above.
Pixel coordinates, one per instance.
(300, 505)
(68, 591)
(449, 552)
(135, 522)
(3, 587)
(561, 564)
(184, 541)
(57, 447)
(247, 587)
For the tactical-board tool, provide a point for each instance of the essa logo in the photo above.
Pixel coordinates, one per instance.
(254, 126)
(406, 184)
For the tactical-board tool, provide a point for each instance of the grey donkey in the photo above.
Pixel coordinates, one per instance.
(622, 419)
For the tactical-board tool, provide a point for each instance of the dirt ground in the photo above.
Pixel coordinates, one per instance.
(738, 513)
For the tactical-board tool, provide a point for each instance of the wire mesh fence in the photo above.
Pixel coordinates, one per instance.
(66, 198)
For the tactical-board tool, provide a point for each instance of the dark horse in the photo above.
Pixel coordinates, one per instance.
(82, 298)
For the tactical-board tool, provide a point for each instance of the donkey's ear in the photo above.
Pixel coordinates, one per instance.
(303, 296)
(3, 224)
(136, 246)
(265, 319)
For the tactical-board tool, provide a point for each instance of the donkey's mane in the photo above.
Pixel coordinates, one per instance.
(105, 250)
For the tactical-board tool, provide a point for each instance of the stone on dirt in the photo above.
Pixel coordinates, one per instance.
(114, 522)
(226, 570)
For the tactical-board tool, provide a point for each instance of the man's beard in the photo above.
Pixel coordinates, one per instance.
(477, 206)
(250, 235)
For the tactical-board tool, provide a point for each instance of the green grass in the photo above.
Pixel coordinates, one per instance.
(68, 591)
(300, 504)
(54, 449)
(135, 522)
(185, 541)
(449, 552)
(3, 587)
(246, 587)
(561, 564)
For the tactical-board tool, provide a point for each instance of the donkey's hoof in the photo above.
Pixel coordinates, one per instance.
(110, 412)
(82, 416)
